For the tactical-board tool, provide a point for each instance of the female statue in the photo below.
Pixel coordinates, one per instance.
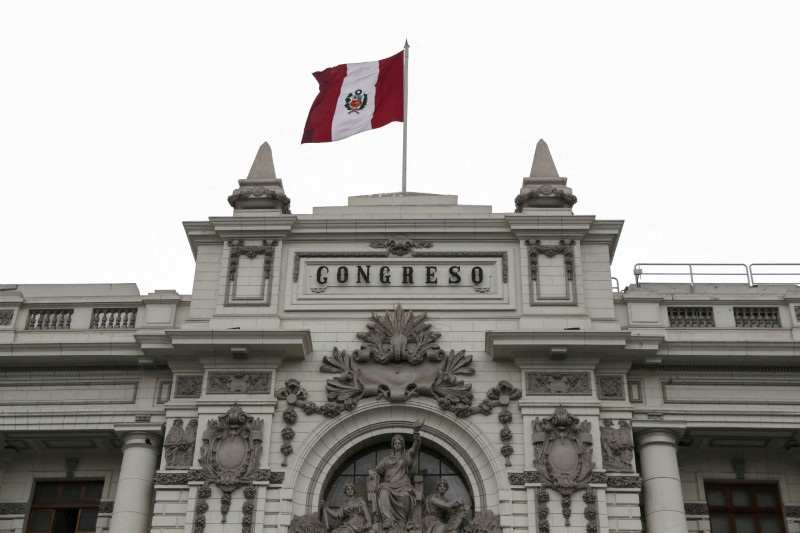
(440, 515)
(395, 497)
(353, 513)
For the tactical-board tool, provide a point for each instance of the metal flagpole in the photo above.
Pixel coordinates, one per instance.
(405, 110)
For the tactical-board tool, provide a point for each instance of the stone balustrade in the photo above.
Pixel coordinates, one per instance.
(49, 319)
(114, 318)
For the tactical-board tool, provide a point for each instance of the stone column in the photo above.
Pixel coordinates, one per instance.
(663, 495)
(133, 500)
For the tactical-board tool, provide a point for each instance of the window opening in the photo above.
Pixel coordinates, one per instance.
(65, 507)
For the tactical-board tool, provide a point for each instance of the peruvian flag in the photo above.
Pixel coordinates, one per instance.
(355, 97)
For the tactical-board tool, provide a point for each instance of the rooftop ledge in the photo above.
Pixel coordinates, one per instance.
(406, 202)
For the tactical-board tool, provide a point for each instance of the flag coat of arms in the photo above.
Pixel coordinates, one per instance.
(355, 97)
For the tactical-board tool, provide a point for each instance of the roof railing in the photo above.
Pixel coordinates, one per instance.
(721, 272)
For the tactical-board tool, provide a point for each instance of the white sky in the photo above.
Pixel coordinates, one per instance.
(120, 120)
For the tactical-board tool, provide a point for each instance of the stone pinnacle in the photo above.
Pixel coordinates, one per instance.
(543, 165)
(263, 168)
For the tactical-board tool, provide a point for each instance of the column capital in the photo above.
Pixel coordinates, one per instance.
(147, 435)
(665, 436)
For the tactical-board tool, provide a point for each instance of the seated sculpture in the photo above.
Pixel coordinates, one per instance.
(354, 513)
(395, 497)
(440, 515)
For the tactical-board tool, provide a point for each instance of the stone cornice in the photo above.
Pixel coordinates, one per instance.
(283, 344)
(510, 345)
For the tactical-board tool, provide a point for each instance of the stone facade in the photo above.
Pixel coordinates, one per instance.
(548, 401)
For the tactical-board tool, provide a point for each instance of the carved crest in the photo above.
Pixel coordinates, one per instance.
(399, 336)
(400, 244)
(563, 450)
(231, 451)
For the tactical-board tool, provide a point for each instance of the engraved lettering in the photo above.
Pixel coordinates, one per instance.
(477, 275)
(408, 275)
(342, 274)
(322, 280)
(455, 277)
(361, 274)
(430, 275)
(383, 275)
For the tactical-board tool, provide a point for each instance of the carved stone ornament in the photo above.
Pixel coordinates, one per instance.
(179, 444)
(563, 451)
(564, 248)
(239, 382)
(590, 510)
(188, 386)
(261, 193)
(238, 249)
(5, 316)
(617, 446)
(790, 511)
(695, 509)
(309, 523)
(106, 506)
(553, 383)
(542, 511)
(229, 458)
(13, 508)
(567, 199)
(397, 337)
(521, 478)
(624, 482)
(610, 387)
(71, 465)
(183, 478)
(400, 245)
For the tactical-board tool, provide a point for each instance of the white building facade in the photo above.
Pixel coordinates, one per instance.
(493, 343)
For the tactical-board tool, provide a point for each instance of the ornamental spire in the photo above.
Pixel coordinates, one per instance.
(544, 189)
(261, 189)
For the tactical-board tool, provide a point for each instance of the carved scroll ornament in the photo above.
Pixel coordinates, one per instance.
(563, 451)
(400, 245)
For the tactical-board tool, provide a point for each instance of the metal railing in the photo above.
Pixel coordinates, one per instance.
(720, 272)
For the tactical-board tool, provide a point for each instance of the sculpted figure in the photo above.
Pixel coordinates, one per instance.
(395, 497)
(353, 513)
(440, 515)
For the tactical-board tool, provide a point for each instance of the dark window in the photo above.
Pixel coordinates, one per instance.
(65, 507)
(744, 508)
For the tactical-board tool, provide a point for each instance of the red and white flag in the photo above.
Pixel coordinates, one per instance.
(355, 97)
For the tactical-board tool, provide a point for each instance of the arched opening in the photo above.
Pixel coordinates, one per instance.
(431, 464)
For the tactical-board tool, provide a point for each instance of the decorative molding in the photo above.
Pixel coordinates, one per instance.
(712, 383)
(239, 382)
(143, 418)
(81, 397)
(563, 451)
(399, 245)
(617, 446)
(183, 478)
(791, 369)
(610, 387)
(544, 190)
(188, 386)
(238, 249)
(244, 193)
(13, 508)
(590, 510)
(563, 247)
(179, 444)
(624, 482)
(696, 509)
(542, 510)
(521, 478)
(163, 391)
(635, 390)
(80, 368)
(791, 511)
(106, 507)
(6, 316)
(556, 383)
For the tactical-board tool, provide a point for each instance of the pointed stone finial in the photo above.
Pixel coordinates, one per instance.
(261, 189)
(543, 165)
(544, 190)
(263, 168)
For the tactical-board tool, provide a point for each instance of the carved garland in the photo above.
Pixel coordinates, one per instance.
(238, 249)
(563, 248)
(400, 245)
(544, 190)
(244, 193)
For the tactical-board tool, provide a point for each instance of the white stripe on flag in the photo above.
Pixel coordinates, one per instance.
(360, 77)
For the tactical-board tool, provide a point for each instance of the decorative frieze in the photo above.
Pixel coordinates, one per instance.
(617, 446)
(521, 478)
(6, 316)
(695, 509)
(624, 482)
(555, 383)
(400, 245)
(183, 478)
(13, 508)
(544, 191)
(238, 382)
(179, 444)
(188, 386)
(610, 387)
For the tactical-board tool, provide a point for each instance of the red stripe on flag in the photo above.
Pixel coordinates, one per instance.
(320, 118)
(389, 91)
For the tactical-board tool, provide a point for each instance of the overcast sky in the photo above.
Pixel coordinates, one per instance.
(120, 120)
